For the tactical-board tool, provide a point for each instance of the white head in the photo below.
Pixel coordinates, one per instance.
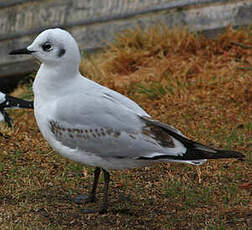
(54, 47)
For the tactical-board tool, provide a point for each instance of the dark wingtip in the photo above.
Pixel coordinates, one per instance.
(231, 154)
(194, 153)
(18, 102)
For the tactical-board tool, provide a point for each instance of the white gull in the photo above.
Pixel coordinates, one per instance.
(91, 124)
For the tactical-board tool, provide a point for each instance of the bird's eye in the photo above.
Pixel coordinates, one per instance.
(47, 46)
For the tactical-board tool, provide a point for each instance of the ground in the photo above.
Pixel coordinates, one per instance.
(201, 86)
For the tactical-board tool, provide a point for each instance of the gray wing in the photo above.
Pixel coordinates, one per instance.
(109, 126)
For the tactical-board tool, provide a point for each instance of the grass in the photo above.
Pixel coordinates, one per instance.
(199, 85)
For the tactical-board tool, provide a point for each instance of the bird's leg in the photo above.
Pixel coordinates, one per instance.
(103, 208)
(91, 197)
(7, 118)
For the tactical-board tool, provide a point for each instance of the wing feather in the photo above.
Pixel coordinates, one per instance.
(104, 126)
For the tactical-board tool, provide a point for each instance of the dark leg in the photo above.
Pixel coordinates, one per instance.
(80, 199)
(92, 197)
(7, 118)
(103, 208)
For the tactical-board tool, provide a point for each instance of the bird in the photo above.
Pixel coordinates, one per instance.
(9, 102)
(96, 126)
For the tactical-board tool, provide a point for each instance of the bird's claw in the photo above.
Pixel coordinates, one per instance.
(83, 199)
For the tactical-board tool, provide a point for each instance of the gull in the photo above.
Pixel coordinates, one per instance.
(94, 125)
(9, 102)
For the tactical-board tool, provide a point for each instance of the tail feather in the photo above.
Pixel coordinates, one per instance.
(195, 151)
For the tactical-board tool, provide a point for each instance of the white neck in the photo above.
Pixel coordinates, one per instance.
(52, 81)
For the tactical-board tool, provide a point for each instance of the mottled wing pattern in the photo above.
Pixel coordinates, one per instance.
(105, 127)
(159, 135)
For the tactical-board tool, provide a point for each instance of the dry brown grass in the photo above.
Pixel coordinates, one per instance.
(201, 86)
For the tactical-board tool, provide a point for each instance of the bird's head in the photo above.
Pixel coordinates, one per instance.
(53, 47)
